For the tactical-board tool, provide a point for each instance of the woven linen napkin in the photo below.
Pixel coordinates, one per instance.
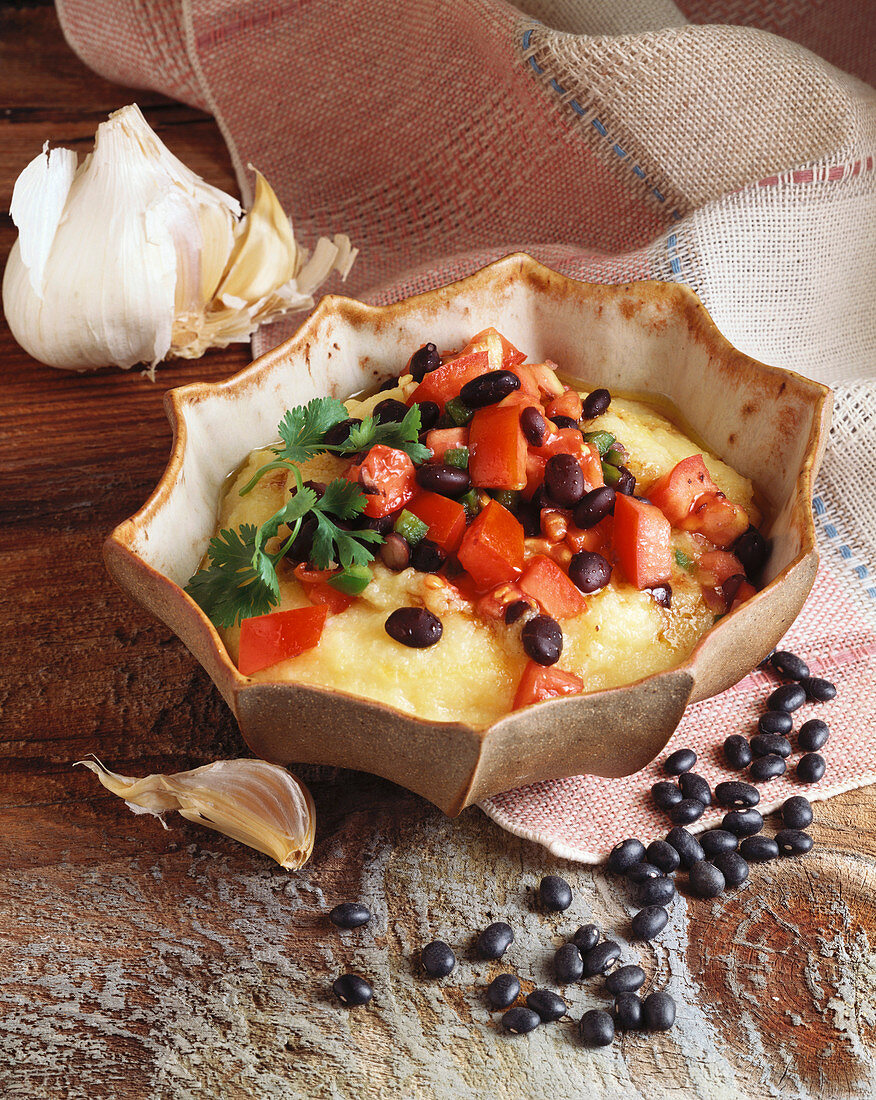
(613, 142)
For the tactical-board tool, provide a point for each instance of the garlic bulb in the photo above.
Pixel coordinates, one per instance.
(132, 258)
(257, 803)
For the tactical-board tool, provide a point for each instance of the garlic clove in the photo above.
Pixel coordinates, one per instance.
(260, 804)
(37, 204)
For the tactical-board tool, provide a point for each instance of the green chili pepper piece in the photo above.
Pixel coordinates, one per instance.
(352, 581)
(457, 456)
(410, 527)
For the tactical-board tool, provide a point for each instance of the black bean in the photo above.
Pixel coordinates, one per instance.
(534, 426)
(625, 855)
(550, 1006)
(797, 812)
(390, 410)
(627, 1011)
(736, 795)
(568, 964)
(687, 811)
(626, 483)
(503, 990)
(666, 794)
(338, 433)
(520, 1020)
(414, 626)
(818, 690)
(765, 768)
(596, 1028)
(594, 507)
(811, 767)
(626, 979)
(737, 751)
(752, 549)
(793, 842)
(495, 940)
(543, 640)
(789, 665)
(517, 610)
(687, 846)
(555, 893)
(649, 922)
(743, 822)
(565, 422)
(715, 841)
(641, 872)
(352, 990)
(731, 586)
(438, 959)
(654, 891)
(424, 361)
(589, 571)
(758, 849)
(766, 744)
(682, 760)
(661, 594)
(395, 553)
(390, 383)
(695, 786)
(595, 404)
(381, 524)
(564, 480)
(813, 735)
(587, 937)
(663, 856)
(775, 721)
(658, 1011)
(489, 388)
(706, 881)
(733, 867)
(302, 547)
(787, 697)
(448, 481)
(600, 959)
(430, 414)
(350, 914)
(427, 556)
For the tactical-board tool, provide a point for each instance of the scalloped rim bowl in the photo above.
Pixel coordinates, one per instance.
(638, 338)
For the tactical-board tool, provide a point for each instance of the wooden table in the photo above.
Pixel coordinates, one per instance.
(138, 962)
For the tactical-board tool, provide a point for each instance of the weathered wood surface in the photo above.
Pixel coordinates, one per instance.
(137, 962)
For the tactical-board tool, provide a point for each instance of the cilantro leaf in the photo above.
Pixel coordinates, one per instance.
(302, 429)
(344, 500)
(403, 435)
(231, 589)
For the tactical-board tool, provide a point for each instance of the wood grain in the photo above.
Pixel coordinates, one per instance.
(138, 962)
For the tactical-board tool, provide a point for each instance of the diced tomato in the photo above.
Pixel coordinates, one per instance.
(388, 479)
(595, 539)
(550, 586)
(503, 354)
(445, 519)
(717, 519)
(544, 375)
(676, 492)
(267, 639)
(714, 601)
(715, 566)
(743, 593)
(540, 682)
(492, 604)
(528, 384)
(567, 404)
(591, 466)
(497, 448)
(441, 440)
(327, 596)
(641, 541)
(492, 547)
(446, 382)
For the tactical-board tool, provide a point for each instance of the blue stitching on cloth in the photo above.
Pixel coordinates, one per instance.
(845, 552)
(674, 262)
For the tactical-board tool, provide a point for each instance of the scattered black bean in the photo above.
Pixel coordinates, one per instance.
(338, 433)
(736, 795)
(654, 891)
(813, 735)
(495, 940)
(715, 841)
(661, 594)
(797, 812)
(595, 404)
(542, 640)
(564, 480)
(775, 721)
(687, 811)
(427, 556)
(626, 483)
(350, 914)
(731, 586)
(395, 553)
(789, 665)
(555, 893)
(765, 768)
(448, 481)
(589, 571)
(438, 959)
(489, 388)
(733, 867)
(568, 964)
(625, 855)
(414, 626)
(758, 849)
(687, 846)
(766, 744)
(430, 414)
(663, 856)
(818, 690)
(743, 822)
(811, 767)
(516, 610)
(788, 697)
(594, 507)
(737, 751)
(352, 990)
(682, 760)
(381, 524)
(520, 1020)
(627, 1011)
(390, 383)
(424, 361)
(706, 881)
(565, 422)
(649, 922)
(658, 1011)
(596, 1028)
(600, 959)
(666, 794)
(695, 786)
(642, 872)
(534, 426)
(793, 842)
(587, 937)
(752, 549)
(503, 990)
(626, 979)
(390, 410)
(550, 1006)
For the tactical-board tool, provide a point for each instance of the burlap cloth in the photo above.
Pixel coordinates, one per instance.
(613, 140)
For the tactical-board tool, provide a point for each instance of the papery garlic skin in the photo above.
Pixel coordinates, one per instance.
(132, 258)
(259, 804)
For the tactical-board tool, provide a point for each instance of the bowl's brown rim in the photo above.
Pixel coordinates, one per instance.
(119, 541)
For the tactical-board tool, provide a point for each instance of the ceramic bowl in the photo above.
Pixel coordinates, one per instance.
(639, 338)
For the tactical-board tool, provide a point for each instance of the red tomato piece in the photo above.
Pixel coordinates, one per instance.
(267, 639)
(595, 539)
(441, 440)
(716, 566)
(545, 582)
(717, 519)
(445, 519)
(325, 595)
(497, 448)
(492, 547)
(744, 592)
(387, 477)
(641, 541)
(567, 404)
(544, 375)
(503, 354)
(676, 492)
(446, 382)
(539, 682)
